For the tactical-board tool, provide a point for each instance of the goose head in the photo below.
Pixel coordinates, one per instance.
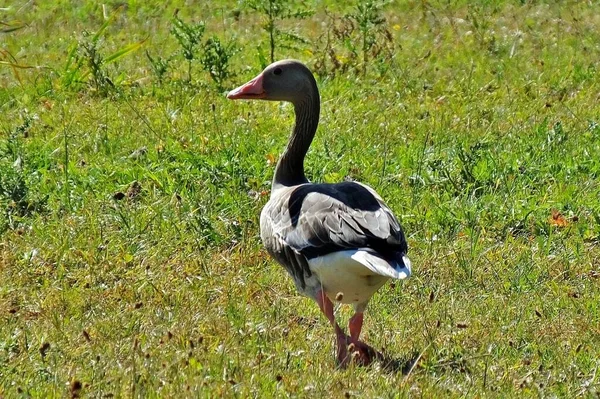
(287, 80)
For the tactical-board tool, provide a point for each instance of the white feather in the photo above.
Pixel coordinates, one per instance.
(357, 274)
(382, 267)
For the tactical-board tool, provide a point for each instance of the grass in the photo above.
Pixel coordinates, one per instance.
(130, 262)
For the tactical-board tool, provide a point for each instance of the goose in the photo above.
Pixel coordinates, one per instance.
(339, 242)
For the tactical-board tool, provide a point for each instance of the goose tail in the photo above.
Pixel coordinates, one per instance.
(399, 268)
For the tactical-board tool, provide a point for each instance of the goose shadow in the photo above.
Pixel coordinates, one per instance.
(403, 365)
(394, 365)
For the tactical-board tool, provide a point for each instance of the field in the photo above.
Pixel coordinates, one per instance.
(130, 190)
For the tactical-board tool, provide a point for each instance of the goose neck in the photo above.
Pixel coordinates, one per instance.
(290, 168)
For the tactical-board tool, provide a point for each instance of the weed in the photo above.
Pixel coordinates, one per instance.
(355, 40)
(95, 61)
(160, 66)
(372, 29)
(273, 13)
(189, 37)
(87, 53)
(7, 59)
(480, 24)
(216, 60)
(18, 195)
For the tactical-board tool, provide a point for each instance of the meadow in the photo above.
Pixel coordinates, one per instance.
(130, 190)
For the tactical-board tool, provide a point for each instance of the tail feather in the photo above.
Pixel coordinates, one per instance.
(398, 268)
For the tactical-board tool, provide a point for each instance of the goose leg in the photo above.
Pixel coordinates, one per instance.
(365, 354)
(342, 340)
(355, 325)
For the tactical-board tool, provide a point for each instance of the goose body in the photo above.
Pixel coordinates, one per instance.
(340, 238)
(339, 242)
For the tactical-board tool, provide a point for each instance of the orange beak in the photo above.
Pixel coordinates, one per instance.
(251, 90)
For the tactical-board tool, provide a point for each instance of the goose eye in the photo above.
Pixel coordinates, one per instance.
(277, 71)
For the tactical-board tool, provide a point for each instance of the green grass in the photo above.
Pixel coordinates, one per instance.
(483, 121)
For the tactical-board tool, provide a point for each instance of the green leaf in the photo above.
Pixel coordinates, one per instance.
(105, 25)
(123, 52)
(11, 26)
(71, 55)
(20, 66)
(261, 58)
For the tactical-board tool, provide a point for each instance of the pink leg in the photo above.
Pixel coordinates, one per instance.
(342, 343)
(355, 325)
(364, 353)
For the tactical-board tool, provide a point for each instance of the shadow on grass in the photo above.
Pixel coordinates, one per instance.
(403, 365)
(370, 357)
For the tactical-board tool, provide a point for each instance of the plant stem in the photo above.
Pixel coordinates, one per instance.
(272, 43)
(66, 167)
(271, 27)
(364, 52)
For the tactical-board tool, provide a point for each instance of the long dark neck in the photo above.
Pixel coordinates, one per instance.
(290, 168)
